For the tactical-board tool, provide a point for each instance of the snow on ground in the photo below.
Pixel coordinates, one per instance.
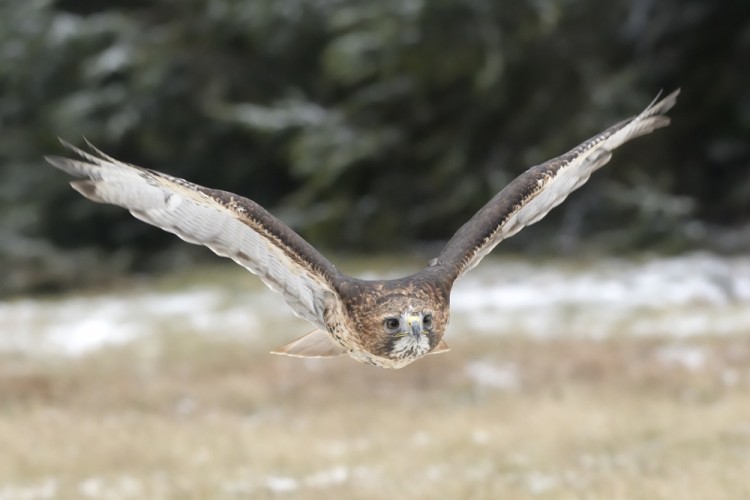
(696, 294)
(79, 324)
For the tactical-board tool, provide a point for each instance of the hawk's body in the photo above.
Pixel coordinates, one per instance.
(388, 323)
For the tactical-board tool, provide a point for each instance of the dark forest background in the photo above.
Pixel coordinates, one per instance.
(370, 126)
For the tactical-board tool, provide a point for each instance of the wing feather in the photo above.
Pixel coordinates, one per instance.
(534, 193)
(228, 224)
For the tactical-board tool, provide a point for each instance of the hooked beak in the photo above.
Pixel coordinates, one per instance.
(415, 324)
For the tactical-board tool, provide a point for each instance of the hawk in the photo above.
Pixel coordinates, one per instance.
(387, 323)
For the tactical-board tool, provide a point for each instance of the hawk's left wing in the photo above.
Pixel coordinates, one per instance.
(541, 188)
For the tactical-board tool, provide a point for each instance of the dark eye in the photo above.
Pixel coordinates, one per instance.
(427, 321)
(392, 324)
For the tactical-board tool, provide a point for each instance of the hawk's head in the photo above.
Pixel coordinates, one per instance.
(400, 327)
(408, 334)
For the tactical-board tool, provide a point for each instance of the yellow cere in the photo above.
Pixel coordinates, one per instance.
(413, 319)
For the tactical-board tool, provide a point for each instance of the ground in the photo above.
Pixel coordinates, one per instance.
(190, 412)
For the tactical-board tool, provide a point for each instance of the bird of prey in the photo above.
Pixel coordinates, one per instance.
(387, 323)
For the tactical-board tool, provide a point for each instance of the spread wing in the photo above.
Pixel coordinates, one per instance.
(228, 224)
(541, 188)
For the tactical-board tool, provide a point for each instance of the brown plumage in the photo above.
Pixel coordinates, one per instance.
(388, 323)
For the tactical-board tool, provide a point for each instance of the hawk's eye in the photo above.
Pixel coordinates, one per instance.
(427, 321)
(392, 324)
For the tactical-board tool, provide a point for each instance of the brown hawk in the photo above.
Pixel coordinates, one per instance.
(388, 323)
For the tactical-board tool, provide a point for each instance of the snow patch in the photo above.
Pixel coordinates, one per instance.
(45, 488)
(696, 294)
(281, 484)
(502, 377)
(328, 477)
(77, 325)
(692, 358)
(117, 488)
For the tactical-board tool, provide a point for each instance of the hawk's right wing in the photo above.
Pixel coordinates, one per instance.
(230, 225)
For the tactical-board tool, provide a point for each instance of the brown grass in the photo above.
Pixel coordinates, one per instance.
(181, 416)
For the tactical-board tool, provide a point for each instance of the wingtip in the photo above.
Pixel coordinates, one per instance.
(74, 149)
(67, 145)
(51, 159)
(62, 163)
(90, 145)
(672, 96)
(663, 104)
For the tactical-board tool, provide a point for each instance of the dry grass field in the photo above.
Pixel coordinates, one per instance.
(184, 414)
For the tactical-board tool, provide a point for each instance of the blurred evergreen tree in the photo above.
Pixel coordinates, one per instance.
(374, 125)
